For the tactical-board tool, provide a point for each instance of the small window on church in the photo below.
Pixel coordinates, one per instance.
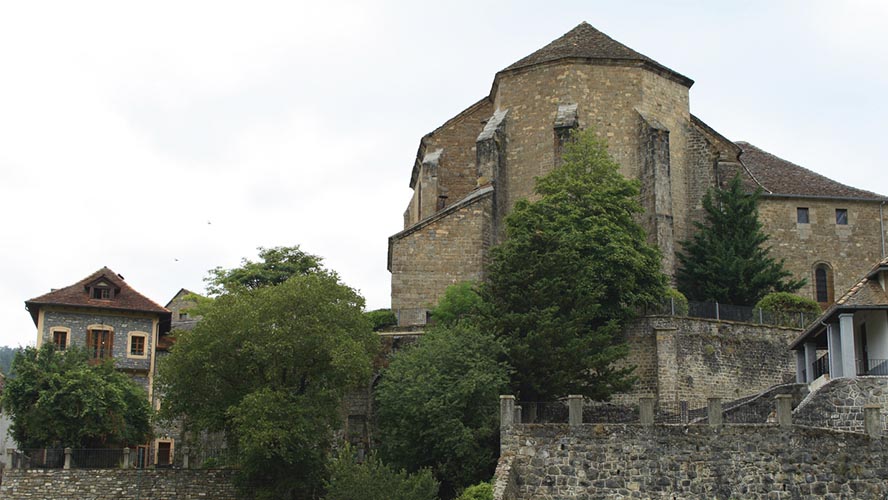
(802, 215)
(842, 216)
(823, 283)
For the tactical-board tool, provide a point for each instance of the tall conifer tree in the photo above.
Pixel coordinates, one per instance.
(727, 260)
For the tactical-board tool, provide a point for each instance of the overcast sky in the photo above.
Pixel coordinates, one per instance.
(162, 139)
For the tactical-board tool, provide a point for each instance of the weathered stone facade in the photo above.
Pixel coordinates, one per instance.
(840, 403)
(547, 462)
(691, 359)
(503, 142)
(115, 484)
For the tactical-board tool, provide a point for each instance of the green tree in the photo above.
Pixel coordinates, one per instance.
(727, 260)
(276, 265)
(480, 491)
(437, 405)
(7, 354)
(381, 318)
(373, 480)
(573, 269)
(460, 302)
(60, 399)
(268, 365)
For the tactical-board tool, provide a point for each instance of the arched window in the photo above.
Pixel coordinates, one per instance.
(823, 284)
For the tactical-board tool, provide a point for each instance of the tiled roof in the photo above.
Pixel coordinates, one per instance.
(586, 42)
(77, 295)
(781, 177)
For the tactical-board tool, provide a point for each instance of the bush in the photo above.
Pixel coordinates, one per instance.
(373, 480)
(785, 302)
(480, 491)
(459, 302)
(381, 318)
(680, 301)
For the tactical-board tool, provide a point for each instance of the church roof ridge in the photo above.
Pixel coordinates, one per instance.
(586, 42)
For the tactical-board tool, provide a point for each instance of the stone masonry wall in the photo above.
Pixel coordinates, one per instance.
(117, 484)
(851, 250)
(428, 258)
(547, 462)
(694, 359)
(122, 324)
(839, 404)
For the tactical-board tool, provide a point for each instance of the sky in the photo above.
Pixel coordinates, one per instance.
(165, 138)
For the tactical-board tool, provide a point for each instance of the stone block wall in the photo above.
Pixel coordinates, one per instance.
(441, 251)
(122, 325)
(850, 250)
(116, 484)
(694, 359)
(839, 404)
(688, 462)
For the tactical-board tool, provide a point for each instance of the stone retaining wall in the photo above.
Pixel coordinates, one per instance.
(117, 484)
(840, 403)
(684, 462)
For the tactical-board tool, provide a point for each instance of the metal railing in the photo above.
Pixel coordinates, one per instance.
(872, 367)
(728, 312)
(821, 366)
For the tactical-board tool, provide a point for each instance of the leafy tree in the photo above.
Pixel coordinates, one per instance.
(269, 366)
(7, 354)
(437, 405)
(381, 318)
(373, 480)
(727, 260)
(60, 399)
(785, 307)
(459, 302)
(480, 491)
(573, 269)
(276, 265)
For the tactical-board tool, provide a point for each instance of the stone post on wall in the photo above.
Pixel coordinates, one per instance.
(574, 409)
(507, 412)
(715, 412)
(517, 418)
(646, 411)
(126, 458)
(68, 452)
(784, 410)
(186, 457)
(872, 421)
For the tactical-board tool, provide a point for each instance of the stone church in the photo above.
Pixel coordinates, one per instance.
(471, 170)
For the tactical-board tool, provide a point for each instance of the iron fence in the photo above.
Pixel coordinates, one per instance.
(870, 366)
(728, 312)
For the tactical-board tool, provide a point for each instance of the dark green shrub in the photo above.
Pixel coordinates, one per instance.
(680, 301)
(381, 318)
(480, 491)
(373, 480)
(788, 302)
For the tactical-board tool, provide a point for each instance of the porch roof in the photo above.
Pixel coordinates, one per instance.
(866, 294)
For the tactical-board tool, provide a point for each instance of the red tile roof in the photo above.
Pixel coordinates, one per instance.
(780, 177)
(77, 295)
(586, 42)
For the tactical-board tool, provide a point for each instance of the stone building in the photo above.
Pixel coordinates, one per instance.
(110, 320)
(470, 171)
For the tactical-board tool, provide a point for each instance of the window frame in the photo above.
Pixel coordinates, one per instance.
(129, 344)
(799, 215)
(53, 331)
(842, 216)
(106, 336)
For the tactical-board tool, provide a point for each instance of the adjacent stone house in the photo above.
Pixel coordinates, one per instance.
(470, 171)
(110, 320)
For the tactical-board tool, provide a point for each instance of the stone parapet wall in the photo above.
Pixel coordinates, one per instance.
(691, 359)
(840, 403)
(116, 484)
(689, 462)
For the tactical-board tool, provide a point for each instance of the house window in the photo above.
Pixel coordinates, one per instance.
(183, 316)
(99, 343)
(60, 339)
(802, 215)
(842, 216)
(823, 284)
(101, 293)
(137, 345)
